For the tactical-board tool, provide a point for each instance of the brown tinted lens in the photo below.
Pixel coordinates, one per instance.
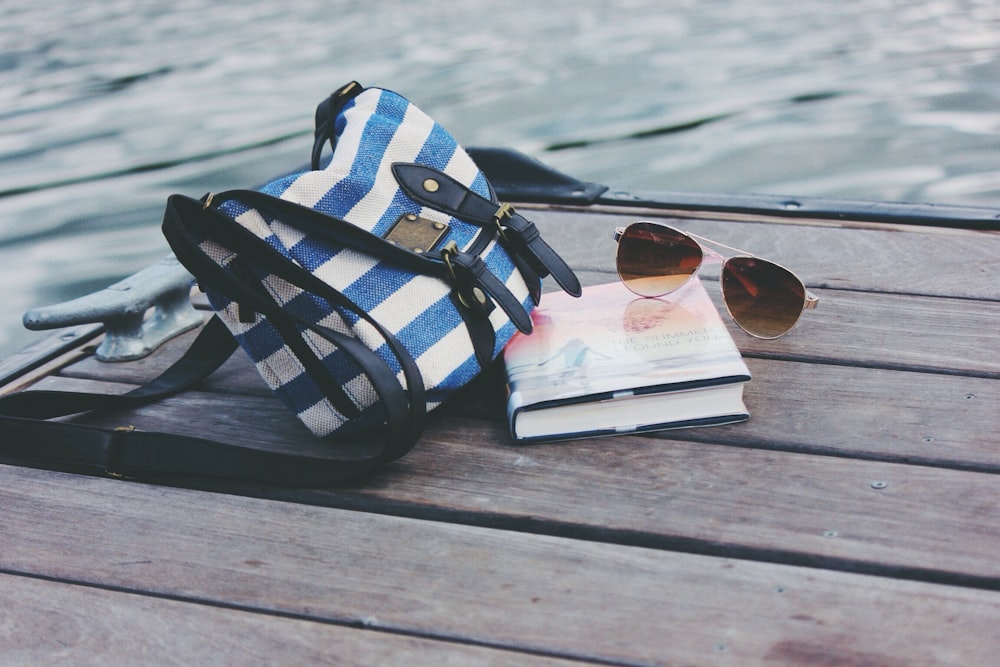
(764, 299)
(654, 260)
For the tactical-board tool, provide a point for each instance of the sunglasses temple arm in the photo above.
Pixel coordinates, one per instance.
(811, 300)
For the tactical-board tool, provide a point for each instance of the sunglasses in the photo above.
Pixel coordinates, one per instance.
(763, 298)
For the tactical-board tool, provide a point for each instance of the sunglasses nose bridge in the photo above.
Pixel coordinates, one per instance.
(710, 256)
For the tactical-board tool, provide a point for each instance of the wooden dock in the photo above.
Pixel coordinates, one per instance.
(854, 520)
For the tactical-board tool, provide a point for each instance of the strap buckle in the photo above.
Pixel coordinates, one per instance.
(503, 214)
(447, 252)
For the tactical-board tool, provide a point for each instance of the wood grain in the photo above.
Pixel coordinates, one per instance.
(932, 419)
(48, 622)
(528, 592)
(871, 330)
(724, 492)
(850, 521)
(928, 261)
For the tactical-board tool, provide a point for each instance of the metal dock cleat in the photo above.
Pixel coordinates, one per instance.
(131, 329)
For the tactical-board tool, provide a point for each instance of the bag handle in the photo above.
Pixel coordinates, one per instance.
(326, 118)
(128, 453)
(184, 214)
(471, 272)
(124, 452)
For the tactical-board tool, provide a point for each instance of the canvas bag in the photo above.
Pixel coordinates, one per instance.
(368, 289)
(365, 291)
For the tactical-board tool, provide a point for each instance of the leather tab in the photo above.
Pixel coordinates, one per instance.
(471, 272)
(435, 189)
(543, 258)
(432, 188)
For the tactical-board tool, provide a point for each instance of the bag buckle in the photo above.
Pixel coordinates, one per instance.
(503, 214)
(447, 253)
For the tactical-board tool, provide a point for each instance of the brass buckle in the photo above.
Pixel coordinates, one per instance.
(447, 252)
(503, 214)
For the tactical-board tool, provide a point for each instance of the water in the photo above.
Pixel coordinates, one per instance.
(106, 108)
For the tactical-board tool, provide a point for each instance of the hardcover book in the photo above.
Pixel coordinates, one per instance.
(613, 362)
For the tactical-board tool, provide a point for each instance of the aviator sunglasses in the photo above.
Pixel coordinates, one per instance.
(763, 298)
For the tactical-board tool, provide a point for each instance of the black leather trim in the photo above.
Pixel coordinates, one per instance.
(481, 333)
(520, 236)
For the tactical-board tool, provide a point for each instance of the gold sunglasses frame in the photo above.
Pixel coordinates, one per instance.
(810, 301)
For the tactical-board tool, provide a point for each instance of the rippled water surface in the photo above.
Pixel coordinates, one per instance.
(108, 107)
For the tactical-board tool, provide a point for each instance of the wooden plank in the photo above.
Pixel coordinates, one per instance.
(929, 334)
(929, 261)
(542, 594)
(938, 420)
(876, 330)
(47, 622)
(237, 376)
(931, 419)
(700, 496)
(44, 356)
(839, 513)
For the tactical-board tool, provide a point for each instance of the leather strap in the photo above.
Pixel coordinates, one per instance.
(30, 438)
(125, 452)
(129, 453)
(326, 118)
(466, 270)
(185, 223)
(519, 233)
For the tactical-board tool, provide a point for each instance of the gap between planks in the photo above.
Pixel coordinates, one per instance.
(546, 595)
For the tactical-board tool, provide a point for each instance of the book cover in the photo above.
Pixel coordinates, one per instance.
(613, 362)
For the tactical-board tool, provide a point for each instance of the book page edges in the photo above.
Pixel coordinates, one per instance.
(637, 413)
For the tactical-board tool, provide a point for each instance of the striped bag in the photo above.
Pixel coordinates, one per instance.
(368, 289)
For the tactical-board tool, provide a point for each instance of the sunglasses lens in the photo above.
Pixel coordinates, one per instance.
(654, 260)
(765, 299)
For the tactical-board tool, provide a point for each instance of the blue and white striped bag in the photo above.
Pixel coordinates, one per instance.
(393, 264)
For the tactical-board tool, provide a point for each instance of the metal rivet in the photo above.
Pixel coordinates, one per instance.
(438, 225)
(879, 484)
(418, 250)
(411, 217)
(479, 295)
(431, 185)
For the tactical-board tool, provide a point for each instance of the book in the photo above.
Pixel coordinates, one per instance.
(613, 362)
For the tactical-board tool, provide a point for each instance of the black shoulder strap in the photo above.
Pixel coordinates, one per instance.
(28, 437)
(124, 452)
